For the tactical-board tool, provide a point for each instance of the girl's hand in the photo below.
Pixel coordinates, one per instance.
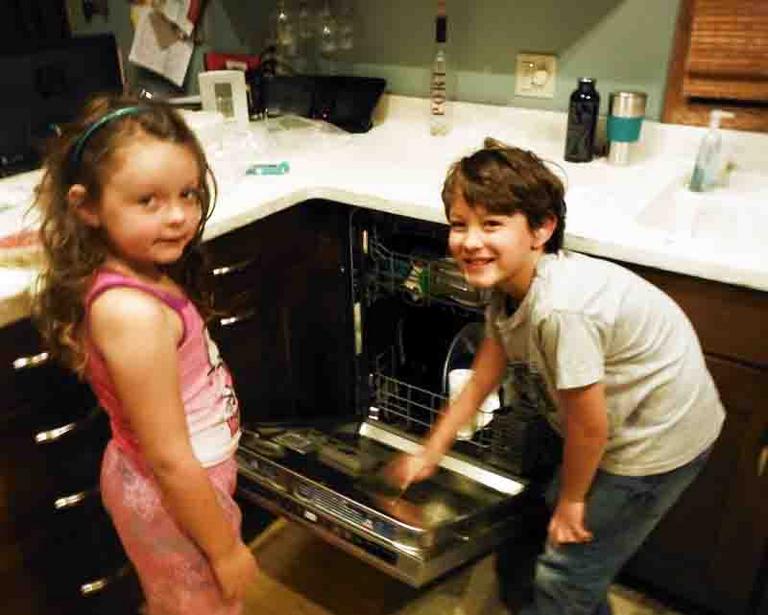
(567, 523)
(406, 469)
(234, 570)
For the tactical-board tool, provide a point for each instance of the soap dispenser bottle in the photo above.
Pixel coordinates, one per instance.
(709, 157)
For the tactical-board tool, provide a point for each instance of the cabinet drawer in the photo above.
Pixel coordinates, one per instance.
(307, 232)
(32, 384)
(743, 389)
(38, 475)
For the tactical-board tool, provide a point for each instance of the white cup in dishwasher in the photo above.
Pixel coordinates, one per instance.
(457, 378)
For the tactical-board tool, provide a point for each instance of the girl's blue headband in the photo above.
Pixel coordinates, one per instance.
(77, 150)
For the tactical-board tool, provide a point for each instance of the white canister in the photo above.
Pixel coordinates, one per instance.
(457, 378)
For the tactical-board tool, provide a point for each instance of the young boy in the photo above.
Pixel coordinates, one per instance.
(617, 358)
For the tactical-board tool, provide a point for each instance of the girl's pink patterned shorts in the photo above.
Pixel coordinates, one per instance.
(174, 573)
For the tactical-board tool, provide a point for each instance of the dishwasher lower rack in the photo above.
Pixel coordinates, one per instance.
(459, 513)
(514, 438)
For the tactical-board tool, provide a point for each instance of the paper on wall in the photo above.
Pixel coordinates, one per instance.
(158, 47)
(183, 13)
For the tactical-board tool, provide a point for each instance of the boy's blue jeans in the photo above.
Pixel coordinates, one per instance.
(573, 579)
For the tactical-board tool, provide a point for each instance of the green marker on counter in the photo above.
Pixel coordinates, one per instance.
(280, 168)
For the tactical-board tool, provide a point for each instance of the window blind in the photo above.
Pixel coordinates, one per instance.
(728, 51)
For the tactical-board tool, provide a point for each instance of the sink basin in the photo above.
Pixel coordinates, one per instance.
(733, 218)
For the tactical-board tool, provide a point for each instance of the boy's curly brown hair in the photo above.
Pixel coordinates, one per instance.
(505, 180)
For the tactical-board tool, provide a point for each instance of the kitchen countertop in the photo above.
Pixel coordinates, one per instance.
(397, 167)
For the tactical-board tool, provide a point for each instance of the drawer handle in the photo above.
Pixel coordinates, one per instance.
(52, 435)
(86, 589)
(97, 585)
(762, 461)
(70, 501)
(31, 361)
(234, 268)
(233, 320)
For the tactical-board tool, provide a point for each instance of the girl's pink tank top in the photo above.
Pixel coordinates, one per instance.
(210, 405)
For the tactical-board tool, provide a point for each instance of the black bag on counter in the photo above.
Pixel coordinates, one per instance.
(345, 101)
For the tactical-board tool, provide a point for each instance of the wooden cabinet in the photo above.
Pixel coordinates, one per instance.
(710, 549)
(285, 330)
(59, 554)
(285, 318)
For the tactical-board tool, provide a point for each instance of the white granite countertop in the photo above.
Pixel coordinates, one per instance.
(641, 213)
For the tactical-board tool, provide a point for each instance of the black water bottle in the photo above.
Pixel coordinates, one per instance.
(583, 110)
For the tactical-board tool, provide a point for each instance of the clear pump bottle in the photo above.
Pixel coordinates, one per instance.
(439, 123)
(706, 170)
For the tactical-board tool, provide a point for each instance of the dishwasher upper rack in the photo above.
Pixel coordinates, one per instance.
(420, 279)
(515, 438)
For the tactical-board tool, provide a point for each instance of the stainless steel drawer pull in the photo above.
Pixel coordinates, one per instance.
(68, 501)
(86, 589)
(31, 361)
(232, 320)
(52, 435)
(234, 268)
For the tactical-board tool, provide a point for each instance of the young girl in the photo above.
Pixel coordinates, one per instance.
(123, 201)
(618, 360)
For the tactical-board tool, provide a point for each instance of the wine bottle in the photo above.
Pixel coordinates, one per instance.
(438, 91)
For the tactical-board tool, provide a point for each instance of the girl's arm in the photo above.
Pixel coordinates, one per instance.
(138, 338)
(585, 434)
(488, 368)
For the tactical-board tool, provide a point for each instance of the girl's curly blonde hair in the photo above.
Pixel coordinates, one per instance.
(74, 251)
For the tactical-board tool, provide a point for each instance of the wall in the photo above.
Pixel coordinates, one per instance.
(623, 43)
(227, 25)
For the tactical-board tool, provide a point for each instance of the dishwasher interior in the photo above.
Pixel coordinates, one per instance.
(417, 325)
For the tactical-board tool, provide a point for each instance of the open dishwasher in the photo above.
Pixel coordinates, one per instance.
(415, 322)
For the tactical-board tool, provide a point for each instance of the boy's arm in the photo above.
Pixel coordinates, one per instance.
(586, 434)
(135, 336)
(488, 369)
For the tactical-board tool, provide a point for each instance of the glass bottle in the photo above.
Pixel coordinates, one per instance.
(327, 43)
(438, 94)
(583, 111)
(285, 31)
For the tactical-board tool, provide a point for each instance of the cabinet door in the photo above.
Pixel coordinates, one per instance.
(709, 548)
(743, 539)
(290, 343)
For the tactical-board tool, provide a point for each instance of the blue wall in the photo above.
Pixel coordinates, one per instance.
(623, 43)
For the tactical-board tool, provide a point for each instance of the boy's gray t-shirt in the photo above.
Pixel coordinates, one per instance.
(586, 320)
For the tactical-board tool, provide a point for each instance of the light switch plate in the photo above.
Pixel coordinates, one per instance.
(535, 75)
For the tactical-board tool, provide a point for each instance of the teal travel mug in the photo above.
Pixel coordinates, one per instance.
(625, 117)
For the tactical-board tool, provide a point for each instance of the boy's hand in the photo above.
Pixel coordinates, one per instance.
(234, 570)
(567, 523)
(406, 469)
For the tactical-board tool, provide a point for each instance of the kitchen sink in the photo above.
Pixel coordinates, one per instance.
(734, 218)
